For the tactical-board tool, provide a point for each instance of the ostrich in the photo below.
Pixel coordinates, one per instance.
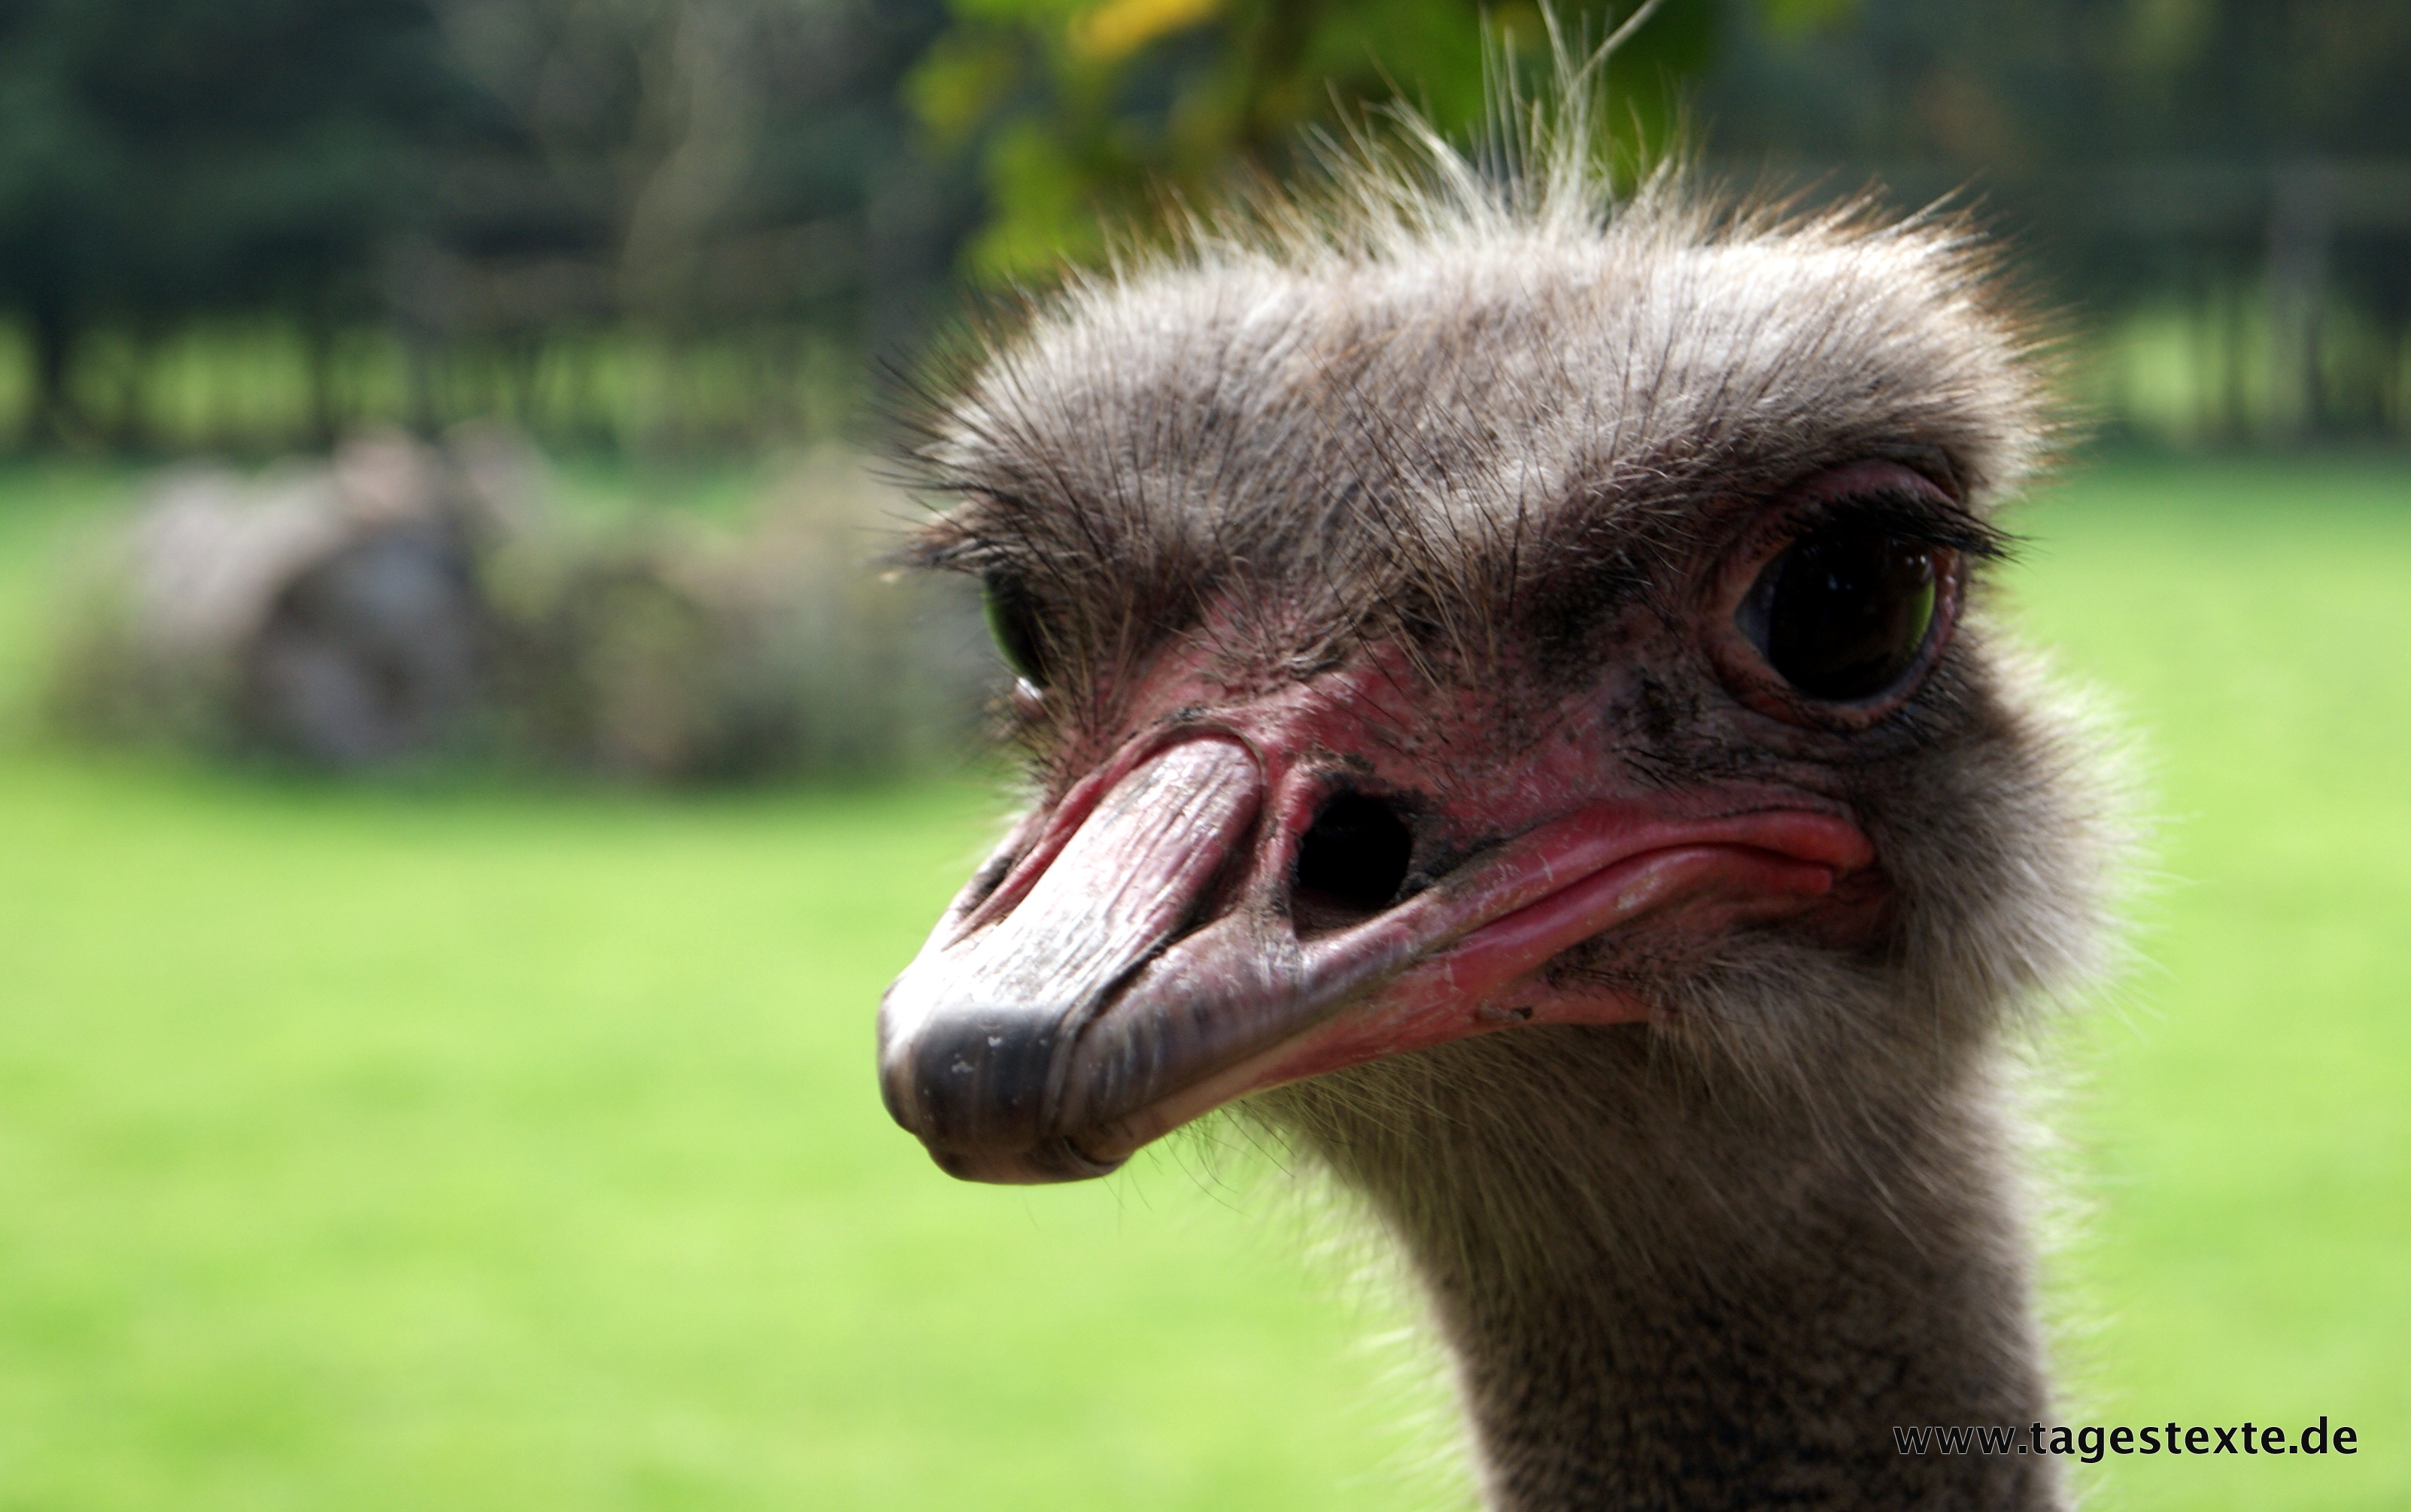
(1510, 695)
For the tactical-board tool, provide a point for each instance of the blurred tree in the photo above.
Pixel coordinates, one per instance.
(162, 159)
(596, 199)
(1080, 109)
(729, 172)
(2251, 158)
(2073, 80)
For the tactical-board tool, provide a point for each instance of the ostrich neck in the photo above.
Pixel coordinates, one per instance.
(1655, 1301)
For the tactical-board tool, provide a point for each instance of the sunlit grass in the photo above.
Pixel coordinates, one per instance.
(390, 1151)
(2247, 1124)
(519, 1150)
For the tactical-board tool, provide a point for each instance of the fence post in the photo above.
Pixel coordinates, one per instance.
(2302, 227)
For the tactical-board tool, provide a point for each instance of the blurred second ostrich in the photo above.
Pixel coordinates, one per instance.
(1510, 696)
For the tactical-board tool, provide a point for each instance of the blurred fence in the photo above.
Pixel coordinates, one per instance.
(2205, 301)
(266, 384)
(2208, 303)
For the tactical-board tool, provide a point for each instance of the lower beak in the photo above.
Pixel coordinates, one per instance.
(1137, 966)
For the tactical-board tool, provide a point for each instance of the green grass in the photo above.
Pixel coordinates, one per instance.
(519, 1150)
(2247, 1124)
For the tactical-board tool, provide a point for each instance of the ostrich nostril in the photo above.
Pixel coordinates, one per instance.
(1350, 862)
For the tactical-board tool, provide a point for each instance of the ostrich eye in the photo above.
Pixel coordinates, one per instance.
(1013, 621)
(1843, 613)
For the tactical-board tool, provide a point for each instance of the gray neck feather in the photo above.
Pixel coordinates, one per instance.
(1663, 1293)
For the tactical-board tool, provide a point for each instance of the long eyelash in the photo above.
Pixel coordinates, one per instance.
(988, 533)
(1915, 518)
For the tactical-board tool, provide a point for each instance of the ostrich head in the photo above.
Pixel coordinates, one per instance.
(1510, 695)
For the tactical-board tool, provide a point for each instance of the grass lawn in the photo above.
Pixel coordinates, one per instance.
(520, 1151)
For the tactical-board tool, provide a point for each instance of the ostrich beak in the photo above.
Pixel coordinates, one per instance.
(1136, 964)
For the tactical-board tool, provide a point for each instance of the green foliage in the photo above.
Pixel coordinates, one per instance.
(1087, 115)
(390, 1150)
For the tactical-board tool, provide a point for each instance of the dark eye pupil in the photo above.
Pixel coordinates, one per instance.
(1013, 621)
(1843, 614)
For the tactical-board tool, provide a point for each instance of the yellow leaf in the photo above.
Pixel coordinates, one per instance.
(1120, 27)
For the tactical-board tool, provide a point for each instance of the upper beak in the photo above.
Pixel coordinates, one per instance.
(1137, 965)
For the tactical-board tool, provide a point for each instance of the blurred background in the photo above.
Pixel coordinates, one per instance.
(465, 775)
(640, 227)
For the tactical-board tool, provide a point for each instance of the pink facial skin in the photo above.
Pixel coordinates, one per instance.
(1136, 954)
(1139, 949)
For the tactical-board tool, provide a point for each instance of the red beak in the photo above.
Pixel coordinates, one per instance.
(1139, 963)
